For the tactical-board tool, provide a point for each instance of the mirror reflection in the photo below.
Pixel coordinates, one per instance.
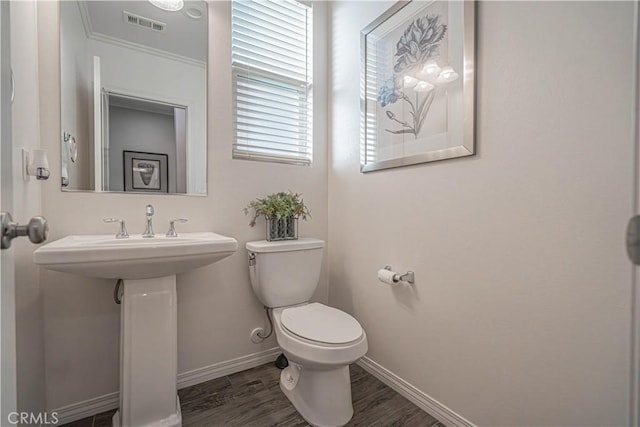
(133, 97)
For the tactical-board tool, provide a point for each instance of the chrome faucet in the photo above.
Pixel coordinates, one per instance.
(148, 231)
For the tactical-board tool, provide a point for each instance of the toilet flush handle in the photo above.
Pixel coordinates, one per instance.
(252, 259)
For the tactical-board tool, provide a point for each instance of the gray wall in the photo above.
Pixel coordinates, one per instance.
(520, 314)
(135, 130)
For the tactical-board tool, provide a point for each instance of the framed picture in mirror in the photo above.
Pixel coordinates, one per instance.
(145, 172)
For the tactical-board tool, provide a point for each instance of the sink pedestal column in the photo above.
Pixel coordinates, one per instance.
(149, 354)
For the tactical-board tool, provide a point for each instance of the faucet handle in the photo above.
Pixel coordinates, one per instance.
(172, 228)
(123, 233)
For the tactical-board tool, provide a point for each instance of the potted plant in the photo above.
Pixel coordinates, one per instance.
(281, 210)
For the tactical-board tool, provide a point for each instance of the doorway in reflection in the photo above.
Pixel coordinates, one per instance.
(157, 131)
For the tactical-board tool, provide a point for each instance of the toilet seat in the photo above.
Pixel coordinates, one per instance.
(319, 323)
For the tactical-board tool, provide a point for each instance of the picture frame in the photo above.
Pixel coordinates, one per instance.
(418, 84)
(145, 172)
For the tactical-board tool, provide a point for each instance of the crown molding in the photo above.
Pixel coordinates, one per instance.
(116, 41)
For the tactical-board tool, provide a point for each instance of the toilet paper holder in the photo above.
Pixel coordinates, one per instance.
(409, 276)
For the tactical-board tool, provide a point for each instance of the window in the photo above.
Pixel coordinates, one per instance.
(271, 50)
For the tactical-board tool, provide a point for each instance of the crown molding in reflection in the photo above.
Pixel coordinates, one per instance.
(93, 35)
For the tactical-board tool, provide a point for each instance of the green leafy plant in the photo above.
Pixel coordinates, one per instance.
(278, 205)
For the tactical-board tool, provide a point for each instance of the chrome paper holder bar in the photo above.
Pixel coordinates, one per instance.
(408, 277)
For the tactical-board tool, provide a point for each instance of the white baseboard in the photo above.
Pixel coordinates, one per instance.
(107, 402)
(411, 393)
(86, 408)
(228, 367)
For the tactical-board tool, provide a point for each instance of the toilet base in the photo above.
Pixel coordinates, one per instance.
(322, 397)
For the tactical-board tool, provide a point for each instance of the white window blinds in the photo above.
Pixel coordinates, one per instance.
(272, 80)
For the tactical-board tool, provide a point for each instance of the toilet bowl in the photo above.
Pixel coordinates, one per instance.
(319, 341)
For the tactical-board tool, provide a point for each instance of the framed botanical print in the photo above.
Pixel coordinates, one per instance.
(418, 84)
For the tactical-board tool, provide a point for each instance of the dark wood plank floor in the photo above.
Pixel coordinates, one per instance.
(253, 398)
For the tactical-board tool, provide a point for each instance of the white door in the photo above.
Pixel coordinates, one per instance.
(7, 292)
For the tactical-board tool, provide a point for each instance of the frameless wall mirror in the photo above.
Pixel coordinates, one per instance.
(134, 96)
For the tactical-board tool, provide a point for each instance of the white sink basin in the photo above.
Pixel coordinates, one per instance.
(106, 257)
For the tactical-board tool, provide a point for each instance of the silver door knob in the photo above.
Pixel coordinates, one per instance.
(36, 230)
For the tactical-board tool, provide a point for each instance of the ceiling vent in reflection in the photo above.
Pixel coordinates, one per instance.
(141, 21)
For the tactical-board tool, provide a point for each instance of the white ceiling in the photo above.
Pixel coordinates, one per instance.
(183, 35)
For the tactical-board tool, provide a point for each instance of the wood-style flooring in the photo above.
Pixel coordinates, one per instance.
(253, 398)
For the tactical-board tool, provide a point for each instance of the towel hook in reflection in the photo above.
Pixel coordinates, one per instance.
(71, 146)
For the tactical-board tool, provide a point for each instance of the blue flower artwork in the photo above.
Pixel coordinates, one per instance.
(417, 75)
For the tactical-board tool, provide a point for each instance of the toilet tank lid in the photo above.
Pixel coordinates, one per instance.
(285, 245)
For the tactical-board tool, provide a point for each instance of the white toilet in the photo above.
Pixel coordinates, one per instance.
(319, 341)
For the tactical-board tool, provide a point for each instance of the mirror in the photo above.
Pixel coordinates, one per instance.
(133, 97)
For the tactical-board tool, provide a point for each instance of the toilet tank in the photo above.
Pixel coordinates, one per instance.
(285, 272)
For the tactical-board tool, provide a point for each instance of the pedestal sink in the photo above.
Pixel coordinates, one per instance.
(148, 331)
